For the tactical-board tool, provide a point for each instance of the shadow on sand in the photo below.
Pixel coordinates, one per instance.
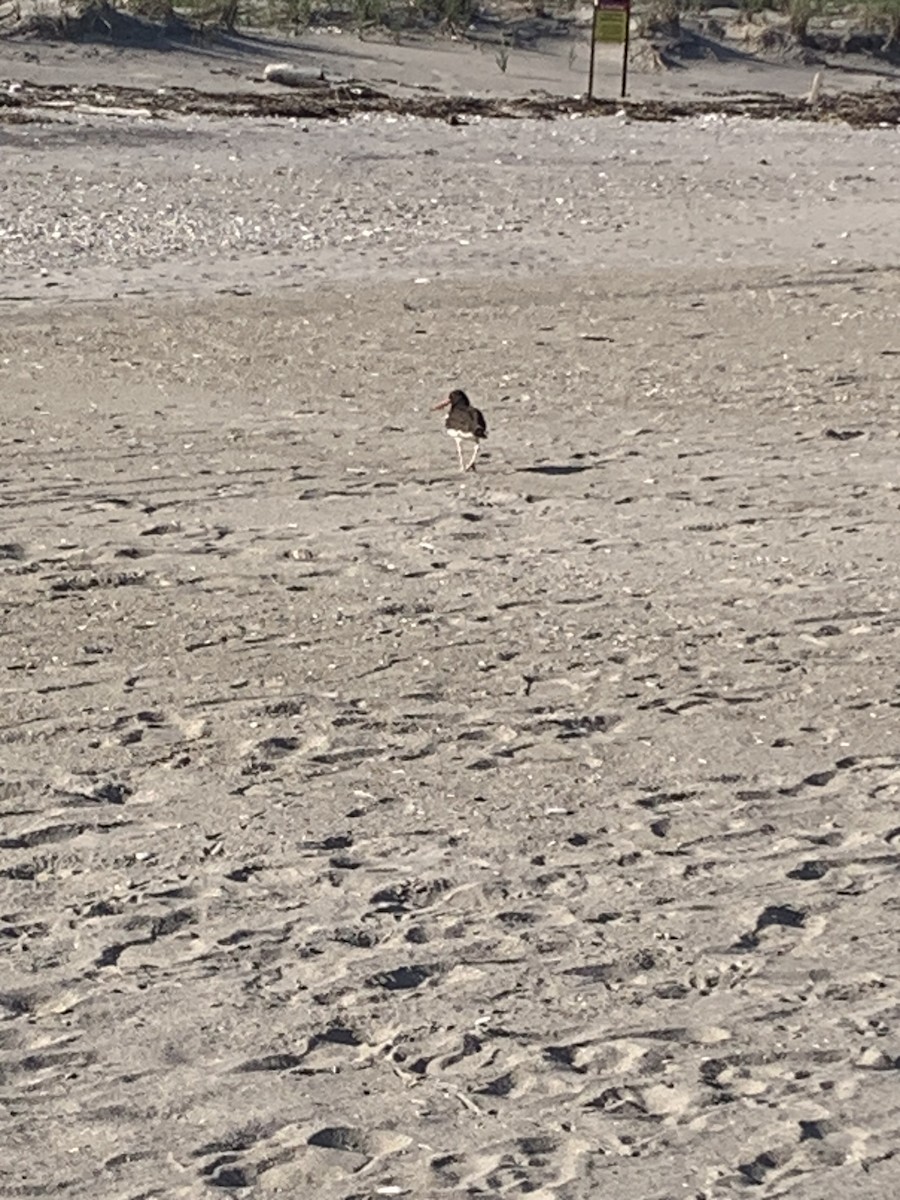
(556, 469)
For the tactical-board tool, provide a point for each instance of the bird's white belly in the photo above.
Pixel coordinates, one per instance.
(460, 433)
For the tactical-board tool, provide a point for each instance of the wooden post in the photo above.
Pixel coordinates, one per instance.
(590, 94)
(625, 50)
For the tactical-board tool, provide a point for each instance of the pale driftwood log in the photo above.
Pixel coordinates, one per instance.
(293, 76)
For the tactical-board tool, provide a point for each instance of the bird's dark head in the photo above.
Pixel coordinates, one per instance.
(456, 399)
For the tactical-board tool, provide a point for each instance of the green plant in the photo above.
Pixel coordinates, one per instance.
(228, 15)
(799, 14)
(153, 10)
(752, 8)
(291, 14)
(661, 17)
(453, 14)
(368, 12)
(883, 15)
(213, 14)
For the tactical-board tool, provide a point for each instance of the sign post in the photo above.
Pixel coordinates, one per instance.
(610, 27)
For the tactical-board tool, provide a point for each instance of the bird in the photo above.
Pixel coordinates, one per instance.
(464, 423)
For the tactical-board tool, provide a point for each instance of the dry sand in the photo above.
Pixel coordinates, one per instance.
(535, 60)
(371, 830)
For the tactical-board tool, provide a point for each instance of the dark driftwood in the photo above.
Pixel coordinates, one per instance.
(861, 109)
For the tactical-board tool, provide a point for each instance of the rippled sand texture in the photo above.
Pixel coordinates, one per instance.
(374, 830)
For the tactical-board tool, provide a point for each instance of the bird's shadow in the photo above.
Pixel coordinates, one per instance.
(556, 469)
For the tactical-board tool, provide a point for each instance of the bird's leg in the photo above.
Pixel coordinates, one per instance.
(471, 466)
(460, 453)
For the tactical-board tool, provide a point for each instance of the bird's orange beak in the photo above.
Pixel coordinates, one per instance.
(443, 404)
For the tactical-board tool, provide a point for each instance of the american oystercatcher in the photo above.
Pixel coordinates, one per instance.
(464, 422)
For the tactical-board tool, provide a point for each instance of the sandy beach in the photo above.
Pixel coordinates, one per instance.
(369, 829)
